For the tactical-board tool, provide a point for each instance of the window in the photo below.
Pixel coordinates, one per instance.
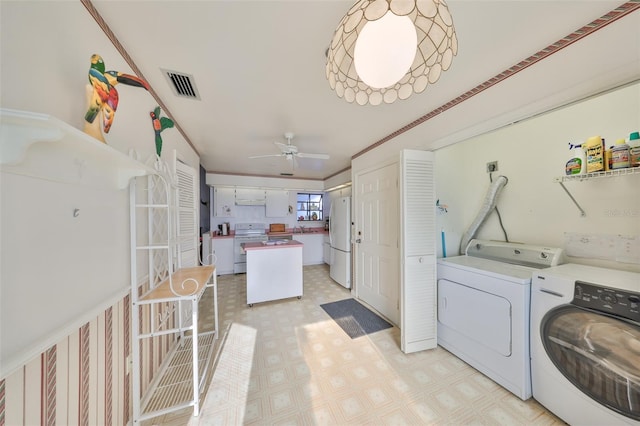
(309, 207)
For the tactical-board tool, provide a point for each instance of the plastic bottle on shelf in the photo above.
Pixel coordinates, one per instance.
(594, 148)
(634, 149)
(607, 158)
(577, 160)
(620, 155)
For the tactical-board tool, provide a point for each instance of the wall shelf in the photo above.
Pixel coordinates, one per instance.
(593, 175)
(44, 147)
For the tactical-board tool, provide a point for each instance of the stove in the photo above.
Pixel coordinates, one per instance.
(246, 233)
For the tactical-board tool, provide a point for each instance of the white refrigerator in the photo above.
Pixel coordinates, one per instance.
(340, 241)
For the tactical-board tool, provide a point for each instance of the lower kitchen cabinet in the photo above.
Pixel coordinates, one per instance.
(222, 248)
(312, 252)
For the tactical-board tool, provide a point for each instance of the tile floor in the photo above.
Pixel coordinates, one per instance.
(287, 362)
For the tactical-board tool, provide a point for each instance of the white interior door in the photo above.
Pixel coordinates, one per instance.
(376, 237)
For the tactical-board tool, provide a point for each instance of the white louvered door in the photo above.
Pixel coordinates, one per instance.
(186, 216)
(417, 251)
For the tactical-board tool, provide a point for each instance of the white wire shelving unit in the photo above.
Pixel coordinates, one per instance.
(589, 176)
(167, 306)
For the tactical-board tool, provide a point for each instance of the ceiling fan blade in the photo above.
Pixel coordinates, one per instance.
(268, 155)
(318, 156)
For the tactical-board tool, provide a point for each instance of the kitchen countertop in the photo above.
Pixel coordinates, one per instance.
(311, 231)
(272, 245)
(287, 233)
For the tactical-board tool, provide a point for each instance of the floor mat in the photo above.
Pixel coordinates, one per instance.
(354, 318)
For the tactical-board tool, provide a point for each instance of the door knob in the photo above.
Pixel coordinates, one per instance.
(359, 240)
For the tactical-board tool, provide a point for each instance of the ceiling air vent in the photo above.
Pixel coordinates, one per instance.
(182, 84)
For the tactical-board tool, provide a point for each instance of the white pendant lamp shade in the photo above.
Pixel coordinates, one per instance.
(384, 50)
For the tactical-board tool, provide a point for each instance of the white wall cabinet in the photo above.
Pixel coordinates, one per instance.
(313, 251)
(222, 248)
(250, 197)
(277, 203)
(224, 202)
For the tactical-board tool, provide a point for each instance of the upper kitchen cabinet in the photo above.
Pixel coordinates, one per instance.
(250, 197)
(224, 201)
(277, 203)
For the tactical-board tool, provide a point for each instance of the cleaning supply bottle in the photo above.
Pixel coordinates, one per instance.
(577, 160)
(594, 149)
(634, 149)
(620, 155)
(607, 158)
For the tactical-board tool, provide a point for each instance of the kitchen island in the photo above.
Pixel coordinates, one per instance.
(274, 270)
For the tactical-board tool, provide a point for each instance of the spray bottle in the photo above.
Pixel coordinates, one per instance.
(577, 161)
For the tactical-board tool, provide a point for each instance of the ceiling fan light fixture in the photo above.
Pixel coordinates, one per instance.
(385, 50)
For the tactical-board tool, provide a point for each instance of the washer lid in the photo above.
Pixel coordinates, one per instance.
(516, 253)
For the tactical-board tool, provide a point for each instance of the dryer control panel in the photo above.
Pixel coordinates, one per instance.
(621, 303)
(515, 253)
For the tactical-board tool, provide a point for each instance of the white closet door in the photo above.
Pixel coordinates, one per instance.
(186, 215)
(417, 251)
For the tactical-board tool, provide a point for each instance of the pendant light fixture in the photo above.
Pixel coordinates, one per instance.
(384, 50)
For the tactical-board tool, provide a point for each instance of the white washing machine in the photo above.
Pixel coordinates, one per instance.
(483, 308)
(585, 344)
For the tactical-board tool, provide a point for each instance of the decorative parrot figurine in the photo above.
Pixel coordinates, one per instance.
(159, 124)
(105, 96)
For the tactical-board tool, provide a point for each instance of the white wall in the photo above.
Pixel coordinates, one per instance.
(535, 209)
(38, 62)
(61, 55)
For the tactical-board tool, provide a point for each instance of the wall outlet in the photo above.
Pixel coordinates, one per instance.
(492, 166)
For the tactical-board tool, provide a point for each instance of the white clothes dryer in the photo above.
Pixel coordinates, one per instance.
(585, 344)
(483, 308)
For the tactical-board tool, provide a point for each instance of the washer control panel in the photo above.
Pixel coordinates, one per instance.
(621, 303)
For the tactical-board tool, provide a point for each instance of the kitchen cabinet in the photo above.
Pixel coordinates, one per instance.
(222, 248)
(224, 201)
(250, 197)
(277, 203)
(313, 252)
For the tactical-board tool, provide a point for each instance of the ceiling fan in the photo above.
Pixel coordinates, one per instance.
(290, 151)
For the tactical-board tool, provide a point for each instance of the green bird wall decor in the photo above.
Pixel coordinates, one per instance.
(159, 124)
